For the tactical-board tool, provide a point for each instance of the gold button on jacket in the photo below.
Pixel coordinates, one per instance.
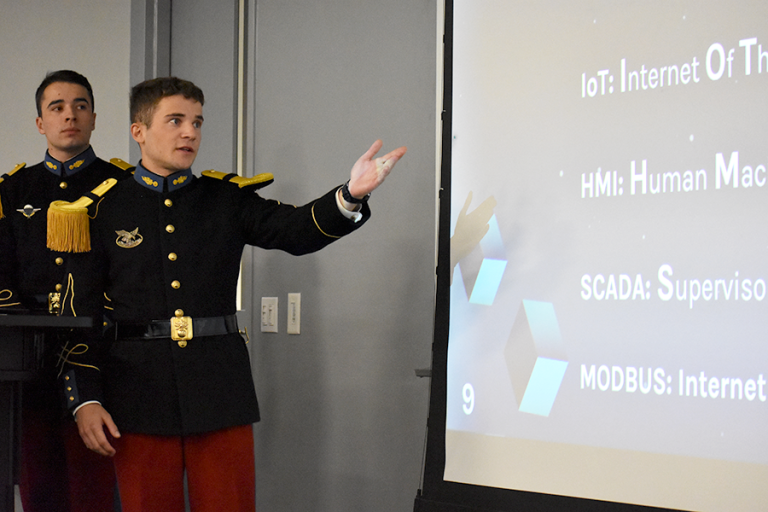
(156, 386)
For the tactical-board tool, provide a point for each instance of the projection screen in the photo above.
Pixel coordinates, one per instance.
(609, 251)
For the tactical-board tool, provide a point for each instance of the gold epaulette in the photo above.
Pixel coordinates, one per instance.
(2, 178)
(68, 223)
(256, 182)
(117, 162)
(13, 171)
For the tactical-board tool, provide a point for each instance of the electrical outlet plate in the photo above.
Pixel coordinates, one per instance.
(269, 314)
(294, 313)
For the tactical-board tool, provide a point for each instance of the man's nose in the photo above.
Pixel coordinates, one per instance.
(70, 112)
(189, 132)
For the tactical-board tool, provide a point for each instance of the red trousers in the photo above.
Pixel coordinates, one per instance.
(58, 473)
(219, 466)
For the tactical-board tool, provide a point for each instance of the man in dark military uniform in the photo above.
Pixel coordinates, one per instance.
(174, 374)
(57, 473)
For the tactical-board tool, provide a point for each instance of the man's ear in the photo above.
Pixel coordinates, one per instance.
(39, 124)
(137, 132)
(93, 122)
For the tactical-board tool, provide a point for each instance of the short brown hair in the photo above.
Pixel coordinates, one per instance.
(63, 75)
(146, 96)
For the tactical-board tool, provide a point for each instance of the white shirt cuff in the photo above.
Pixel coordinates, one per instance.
(74, 413)
(355, 216)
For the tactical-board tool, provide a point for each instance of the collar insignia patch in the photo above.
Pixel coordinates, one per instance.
(28, 211)
(128, 239)
(150, 181)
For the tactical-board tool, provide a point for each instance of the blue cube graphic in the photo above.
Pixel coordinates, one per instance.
(488, 281)
(535, 357)
(484, 267)
(543, 386)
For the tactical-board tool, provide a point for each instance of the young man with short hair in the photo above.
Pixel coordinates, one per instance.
(174, 374)
(56, 472)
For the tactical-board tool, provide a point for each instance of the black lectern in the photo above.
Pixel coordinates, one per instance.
(22, 342)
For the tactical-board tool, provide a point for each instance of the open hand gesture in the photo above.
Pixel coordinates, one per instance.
(369, 172)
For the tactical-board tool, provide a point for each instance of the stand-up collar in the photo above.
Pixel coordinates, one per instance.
(159, 183)
(72, 165)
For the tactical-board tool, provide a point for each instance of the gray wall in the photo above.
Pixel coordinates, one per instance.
(203, 43)
(38, 36)
(344, 414)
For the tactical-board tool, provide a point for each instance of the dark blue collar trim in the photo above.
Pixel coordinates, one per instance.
(158, 183)
(72, 165)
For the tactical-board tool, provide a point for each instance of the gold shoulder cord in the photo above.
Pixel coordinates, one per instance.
(96, 212)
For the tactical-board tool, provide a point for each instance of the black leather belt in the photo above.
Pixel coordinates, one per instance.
(205, 326)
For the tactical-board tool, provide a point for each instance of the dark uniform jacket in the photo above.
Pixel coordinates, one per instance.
(29, 271)
(160, 247)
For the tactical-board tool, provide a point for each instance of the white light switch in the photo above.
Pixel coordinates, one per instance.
(294, 313)
(269, 314)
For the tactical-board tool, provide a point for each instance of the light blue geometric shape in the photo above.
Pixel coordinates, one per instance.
(543, 386)
(488, 281)
(492, 244)
(545, 330)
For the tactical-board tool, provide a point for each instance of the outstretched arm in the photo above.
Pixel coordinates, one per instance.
(369, 172)
(91, 420)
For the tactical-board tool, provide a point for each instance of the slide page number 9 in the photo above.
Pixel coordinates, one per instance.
(469, 398)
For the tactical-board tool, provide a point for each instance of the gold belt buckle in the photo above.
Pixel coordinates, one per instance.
(181, 328)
